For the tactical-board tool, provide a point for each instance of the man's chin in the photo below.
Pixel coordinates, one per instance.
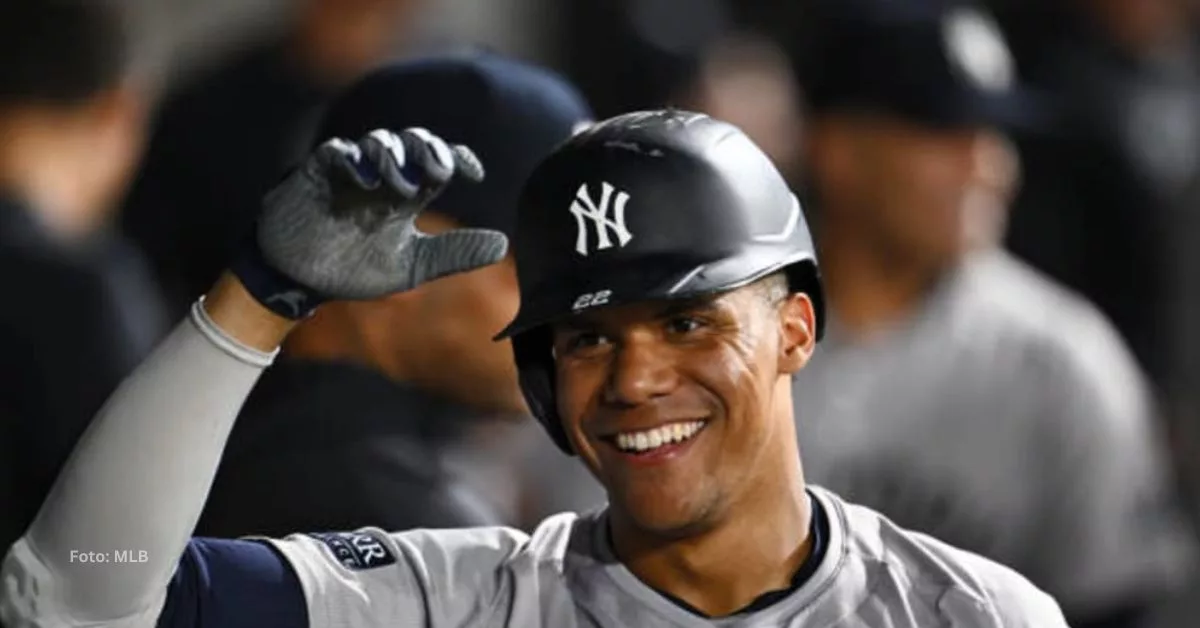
(662, 516)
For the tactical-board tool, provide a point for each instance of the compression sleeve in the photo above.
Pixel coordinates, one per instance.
(135, 483)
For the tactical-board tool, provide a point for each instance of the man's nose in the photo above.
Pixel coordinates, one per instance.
(642, 370)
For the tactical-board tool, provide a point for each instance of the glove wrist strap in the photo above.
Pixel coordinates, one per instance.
(274, 290)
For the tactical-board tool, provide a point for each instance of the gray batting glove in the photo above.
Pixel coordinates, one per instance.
(342, 225)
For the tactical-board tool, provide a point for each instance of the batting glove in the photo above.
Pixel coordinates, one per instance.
(341, 226)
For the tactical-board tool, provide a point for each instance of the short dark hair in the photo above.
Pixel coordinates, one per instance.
(61, 51)
(774, 288)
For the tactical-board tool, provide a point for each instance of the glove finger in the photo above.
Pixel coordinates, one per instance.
(456, 251)
(343, 159)
(431, 159)
(332, 150)
(388, 154)
(467, 164)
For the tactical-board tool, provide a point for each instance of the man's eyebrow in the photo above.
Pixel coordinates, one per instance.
(684, 306)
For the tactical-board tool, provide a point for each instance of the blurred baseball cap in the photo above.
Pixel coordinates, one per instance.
(510, 113)
(941, 63)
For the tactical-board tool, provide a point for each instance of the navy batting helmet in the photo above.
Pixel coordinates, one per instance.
(647, 206)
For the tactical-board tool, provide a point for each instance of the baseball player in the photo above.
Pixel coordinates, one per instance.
(960, 392)
(669, 293)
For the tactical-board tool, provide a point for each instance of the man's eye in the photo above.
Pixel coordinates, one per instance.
(684, 324)
(585, 340)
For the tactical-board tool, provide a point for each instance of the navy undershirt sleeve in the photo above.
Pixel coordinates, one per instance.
(233, 584)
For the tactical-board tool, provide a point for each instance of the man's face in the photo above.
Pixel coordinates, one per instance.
(109, 134)
(908, 187)
(705, 380)
(439, 335)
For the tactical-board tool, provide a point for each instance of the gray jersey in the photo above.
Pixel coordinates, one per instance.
(153, 451)
(874, 574)
(1007, 418)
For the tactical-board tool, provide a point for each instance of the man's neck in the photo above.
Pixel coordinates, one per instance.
(867, 288)
(722, 570)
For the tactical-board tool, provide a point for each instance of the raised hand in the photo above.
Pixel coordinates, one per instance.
(341, 226)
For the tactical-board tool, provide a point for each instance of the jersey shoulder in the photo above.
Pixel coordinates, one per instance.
(1027, 305)
(463, 576)
(1062, 339)
(431, 550)
(967, 589)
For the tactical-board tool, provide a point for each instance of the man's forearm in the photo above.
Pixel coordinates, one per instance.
(111, 531)
(138, 478)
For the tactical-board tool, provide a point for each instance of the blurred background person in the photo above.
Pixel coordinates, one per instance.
(1097, 211)
(1106, 206)
(368, 415)
(193, 199)
(959, 391)
(73, 109)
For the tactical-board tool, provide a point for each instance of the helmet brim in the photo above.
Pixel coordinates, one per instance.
(638, 281)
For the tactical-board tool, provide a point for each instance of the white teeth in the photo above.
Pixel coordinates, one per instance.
(657, 437)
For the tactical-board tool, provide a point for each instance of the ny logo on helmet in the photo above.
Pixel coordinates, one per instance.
(606, 216)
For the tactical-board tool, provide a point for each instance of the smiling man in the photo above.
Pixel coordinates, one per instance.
(669, 293)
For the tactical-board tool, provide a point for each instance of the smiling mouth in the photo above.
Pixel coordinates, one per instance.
(647, 441)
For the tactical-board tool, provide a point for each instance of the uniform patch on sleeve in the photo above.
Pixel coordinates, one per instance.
(357, 550)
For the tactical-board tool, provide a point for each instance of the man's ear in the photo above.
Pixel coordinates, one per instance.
(797, 332)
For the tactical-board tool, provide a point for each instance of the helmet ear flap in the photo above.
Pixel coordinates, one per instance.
(533, 353)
